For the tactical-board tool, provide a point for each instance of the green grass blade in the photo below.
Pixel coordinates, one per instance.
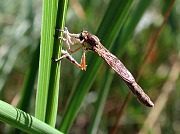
(130, 25)
(108, 31)
(49, 73)
(99, 106)
(52, 103)
(23, 121)
(46, 48)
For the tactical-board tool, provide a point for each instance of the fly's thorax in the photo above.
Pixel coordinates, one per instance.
(93, 39)
(87, 45)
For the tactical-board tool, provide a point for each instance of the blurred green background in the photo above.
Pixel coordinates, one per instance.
(20, 27)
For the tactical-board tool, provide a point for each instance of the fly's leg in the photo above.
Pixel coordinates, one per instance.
(67, 42)
(66, 55)
(83, 60)
(68, 34)
(69, 39)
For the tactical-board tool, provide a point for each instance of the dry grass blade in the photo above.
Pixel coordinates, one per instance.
(153, 42)
(163, 97)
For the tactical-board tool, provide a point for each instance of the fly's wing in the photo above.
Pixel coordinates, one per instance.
(115, 63)
(122, 71)
(118, 67)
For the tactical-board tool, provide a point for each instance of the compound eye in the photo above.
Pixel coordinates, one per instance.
(81, 37)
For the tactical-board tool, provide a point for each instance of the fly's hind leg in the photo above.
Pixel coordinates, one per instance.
(66, 55)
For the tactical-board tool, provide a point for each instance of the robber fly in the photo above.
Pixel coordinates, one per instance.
(91, 42)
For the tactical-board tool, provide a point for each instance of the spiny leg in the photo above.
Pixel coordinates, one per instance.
(66, 55)
(67, 33)
(68, 39)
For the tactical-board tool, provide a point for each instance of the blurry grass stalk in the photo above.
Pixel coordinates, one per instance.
(14, 46)
(123, 37)
(99, 106)
(168, 86)
(162, 99)
(54, 13)
(136, 18)
(108, 31)
(29, 82)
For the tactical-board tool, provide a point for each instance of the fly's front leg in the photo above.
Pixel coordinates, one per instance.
(66, 55)
(69, 39)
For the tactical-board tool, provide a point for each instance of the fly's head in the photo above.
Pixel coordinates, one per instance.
(89, 41)
(83, 35)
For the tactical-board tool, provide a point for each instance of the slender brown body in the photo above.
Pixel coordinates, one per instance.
(91, 42)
